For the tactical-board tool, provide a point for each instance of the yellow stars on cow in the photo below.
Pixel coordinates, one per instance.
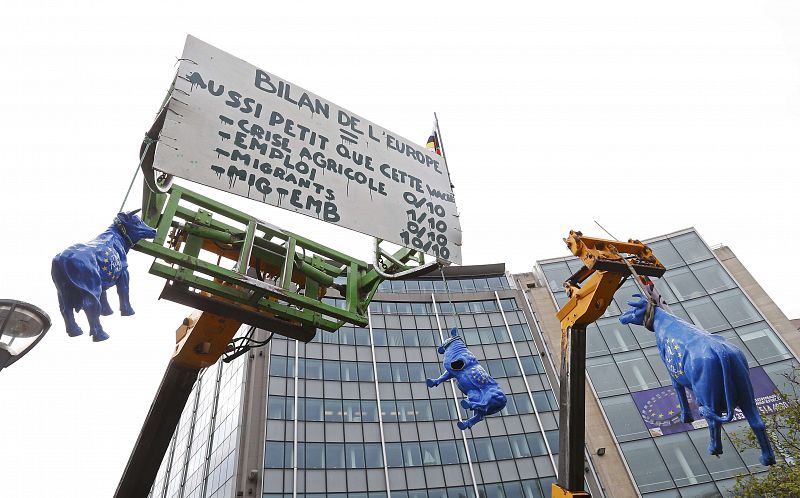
(671, 412)
(105, 268)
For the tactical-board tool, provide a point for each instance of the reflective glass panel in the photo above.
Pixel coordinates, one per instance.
(691, 248)
(646, 465)
(712, 276)
(684, 284)
(682, 459)
(625, 418)
(736, 307)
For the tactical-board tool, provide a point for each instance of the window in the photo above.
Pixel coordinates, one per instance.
(416, 372)
(314, 410)
(736, 307)
(315, 455)
(502, 448)
(636, 371)
(691, 248)
(365, 373)
(441, 409)
(349, 370)
(388, 410)
(511, 367)
(373, 455)
(728, 464)
(763, 343)
(705, 314)
(556, 274)
(369, 410)
(624, 418)
(354, 456)
(351, 410)
(483, 449)
(277, 366)
(605, 377)
(666, 253)
(394, 455)
(274, 454)
(684, 284)
(449, 453)
(412, 457)
(712, 276)
(334, 455)
(313, 369)
(422, 407)
(430, 453)
(276, 407)
(405, 410)
(618, 336)
(519, 446)
(384, 372)
(646, 465)
(536, 443)
(682, 459)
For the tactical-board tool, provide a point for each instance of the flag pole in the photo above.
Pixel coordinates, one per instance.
(441, 146)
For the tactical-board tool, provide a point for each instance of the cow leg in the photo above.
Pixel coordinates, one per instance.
(91, 306)
(757, 424)
(686, 412)
(435, 382)
(73, 330)
(715, 437)
(105, 308)
(466, 424)
(123, 288)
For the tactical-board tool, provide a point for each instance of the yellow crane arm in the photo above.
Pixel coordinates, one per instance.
(606, 265)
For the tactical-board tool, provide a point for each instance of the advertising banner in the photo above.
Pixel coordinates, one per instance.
(235, 127)
(661, 412)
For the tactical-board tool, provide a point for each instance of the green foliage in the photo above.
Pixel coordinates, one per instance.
(782, 480)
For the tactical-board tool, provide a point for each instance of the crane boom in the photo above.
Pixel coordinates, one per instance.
(607, 264)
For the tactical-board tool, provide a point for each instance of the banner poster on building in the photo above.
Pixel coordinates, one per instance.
(661, 412)
(233, 126)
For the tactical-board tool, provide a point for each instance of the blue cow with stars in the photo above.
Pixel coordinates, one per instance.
(83, 272)
(484, 395)
(715, 370)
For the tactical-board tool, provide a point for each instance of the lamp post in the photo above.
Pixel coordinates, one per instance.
(22, 326)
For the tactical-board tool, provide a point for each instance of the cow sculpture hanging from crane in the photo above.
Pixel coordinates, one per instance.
(484, 396)
(715, 370)
(83, 272)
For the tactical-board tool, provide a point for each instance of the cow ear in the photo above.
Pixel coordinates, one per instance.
(453, 332)
(131, 213)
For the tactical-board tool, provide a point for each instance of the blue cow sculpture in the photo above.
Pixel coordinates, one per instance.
(715, 370)
(83, 272)
(484, 395)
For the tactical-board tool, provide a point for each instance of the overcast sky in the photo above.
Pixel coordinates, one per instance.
(647, 117)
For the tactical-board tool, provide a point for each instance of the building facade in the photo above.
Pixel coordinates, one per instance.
(709, 288)
(349, 415)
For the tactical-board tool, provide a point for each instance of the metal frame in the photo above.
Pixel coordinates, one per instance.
(296, 271)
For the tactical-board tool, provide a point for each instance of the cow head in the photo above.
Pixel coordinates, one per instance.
(132, 227)
(635, 314)
(456, 355)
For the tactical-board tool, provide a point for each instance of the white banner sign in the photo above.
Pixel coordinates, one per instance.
(238, 128)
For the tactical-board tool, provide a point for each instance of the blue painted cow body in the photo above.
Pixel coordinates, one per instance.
(715, 370)
(83, 272)
(484, 396)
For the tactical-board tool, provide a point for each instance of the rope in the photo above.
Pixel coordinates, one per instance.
(456, 321)
(148, 141)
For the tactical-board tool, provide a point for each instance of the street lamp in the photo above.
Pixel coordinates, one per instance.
(22, 326)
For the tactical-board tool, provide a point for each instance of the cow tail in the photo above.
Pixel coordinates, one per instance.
(729, 391)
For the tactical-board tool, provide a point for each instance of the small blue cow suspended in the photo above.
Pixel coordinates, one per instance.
(715, 370)
(484, 395)
(83, 272)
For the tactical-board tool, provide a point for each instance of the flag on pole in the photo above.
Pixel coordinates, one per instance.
(434, 143)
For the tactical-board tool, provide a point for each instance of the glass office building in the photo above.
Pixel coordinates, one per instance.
(623, 359)
(349, 415)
